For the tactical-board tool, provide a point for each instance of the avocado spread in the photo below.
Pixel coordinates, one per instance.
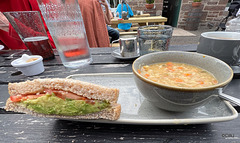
(51, 104)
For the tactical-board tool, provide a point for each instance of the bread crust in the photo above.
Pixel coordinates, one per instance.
(112, 113)
(80, 88)
(85, 89)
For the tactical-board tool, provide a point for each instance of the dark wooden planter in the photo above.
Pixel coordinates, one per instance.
(149, 6)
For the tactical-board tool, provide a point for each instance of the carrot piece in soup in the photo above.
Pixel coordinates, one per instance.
(146, 75)
(170, 68)
(201, 82)
(178, 80)
(214, 81)
(187, 74)
(139, 71)
(169, 64)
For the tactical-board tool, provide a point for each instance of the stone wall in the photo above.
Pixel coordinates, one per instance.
(140, 5)
(212, 11)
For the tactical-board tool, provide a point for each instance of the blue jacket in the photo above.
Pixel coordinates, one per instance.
(124, 26)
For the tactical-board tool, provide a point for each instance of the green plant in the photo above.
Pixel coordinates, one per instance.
(149, 1)
(197, 0)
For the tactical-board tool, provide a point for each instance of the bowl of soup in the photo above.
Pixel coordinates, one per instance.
(179, 81)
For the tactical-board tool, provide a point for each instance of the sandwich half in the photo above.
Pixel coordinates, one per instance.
(64, 99)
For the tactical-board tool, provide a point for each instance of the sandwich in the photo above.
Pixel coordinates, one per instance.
(64, 99)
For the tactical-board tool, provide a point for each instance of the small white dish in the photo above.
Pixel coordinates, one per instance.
(116, 54)
(29, 65)
(1, 47)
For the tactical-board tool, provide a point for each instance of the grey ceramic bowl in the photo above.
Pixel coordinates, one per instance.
(222, 45)
(180, 98)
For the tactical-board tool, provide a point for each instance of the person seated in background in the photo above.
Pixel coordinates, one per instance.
(124, 8)
(113, 33)
(94, 23)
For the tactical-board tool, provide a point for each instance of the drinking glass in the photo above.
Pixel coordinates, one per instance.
(30, 28)
(65, 23)
(154, 38)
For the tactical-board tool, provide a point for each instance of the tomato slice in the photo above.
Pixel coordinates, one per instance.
(64, 94)
(68, 95)
(90, 102)
(74, 96)
(17, 98)
(61, 94)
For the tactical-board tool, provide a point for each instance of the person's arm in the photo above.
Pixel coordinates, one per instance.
(107, 13)
(130, 11)
(119, 11)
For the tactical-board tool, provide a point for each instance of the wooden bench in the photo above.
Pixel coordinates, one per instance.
(141, 20)
(128, 33)
(138, 21)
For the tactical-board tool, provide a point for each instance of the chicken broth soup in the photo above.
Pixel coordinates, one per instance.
(178, 74)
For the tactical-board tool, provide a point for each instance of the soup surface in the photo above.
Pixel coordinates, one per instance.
(178, 74)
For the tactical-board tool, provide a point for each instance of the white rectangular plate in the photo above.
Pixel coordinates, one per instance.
(137, 110)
